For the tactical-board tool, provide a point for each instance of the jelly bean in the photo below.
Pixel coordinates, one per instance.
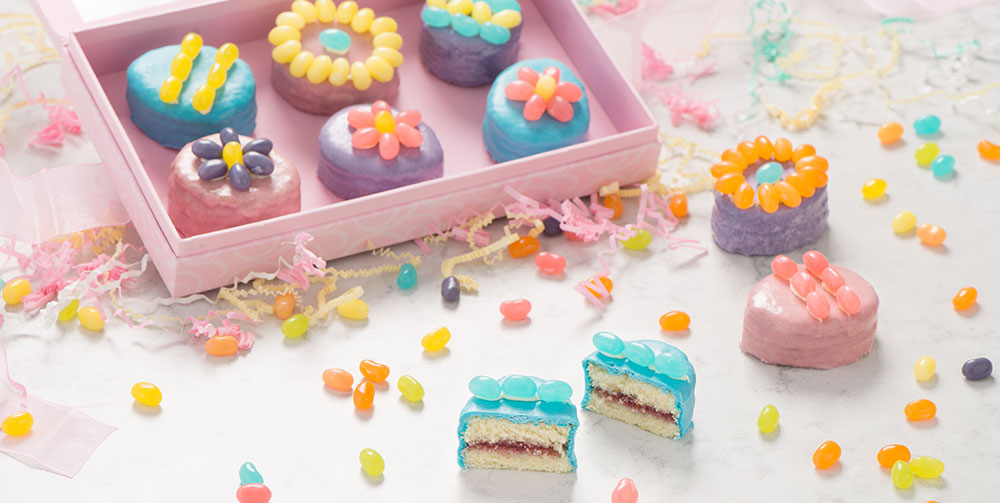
(465, 25)
(295, 326)
(394, 57)
(191, 44)
(550, 263)
(799, 182)
(384, 122)
(924, 369)
(147, 394)
(436, 339)
(614, 202)
(782, 150)
(239, 177)
(744, 195)
(767, 421)
(927, 125)
(319, 69)
(767, 196)
(69, 312)
(507, 18)
(227, 55)
(826, 455)
(734, 157)
(942, 166)
(926, 153)
(284, 305)
(372, 462)
(410, 388)
(339, 72)
(250, 475)
(784, 267)
(902, 475)
(787, 194)
(374, 371)
(552, 227)
(283, 33)
(515, 310)
(232, 153)
(675, 321)
(90, 318)
(502, 5)
(450, 290)
(253, 493)
(222, 345)
(989, 150)
(258, 164)
(519, 387)
(639, 353)
(388, 41)
(890, 132)
(555, 392)
(889, 454)
(435, 17)
(639, 241)
(524, 246)
(228, 135)
(920, 410)
(495, 34)
(815, 262)
(965, 298)
(813, 161)
(305, 9)
(203, 99)
(873, 188)
(170, 90)
(606, 283)
(364, 395)
(335, 41)
(804, 150)
(931, 235)
(832, 280)
(679, 205)
(609, 344)
(338, 379)
(291, 19)
(17, 424)
(216, 76)
(977, 369)
(460, 6)
(764, 147)
(379, 69)
(180, 66)
(848, 300)
(817, 305)
(729, 182)
(355, 309)
(212, 169)
(748, 150)
(672, 365)
(206, 149)
(13, 291)
(814, 176)
(346, 12)
(485, 388)
(362, 20)
(383, 24)
(286, 51)
(904, 222)
(927, 467)
(802, 285)
(625, 492)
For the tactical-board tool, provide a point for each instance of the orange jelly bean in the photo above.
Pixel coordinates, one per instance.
(888, 455)
(989, 150)
(364, 395)
(764, 148)
(614, 202)
(743, 197)
(675, 321)
(826, 455)
(338, 379)
(222, 345)
(801, 151)
(729, 182)
(782, 150)
(814, 176)
(749, 151)
(679, 205)
(734, 157)
(789, 195)
(920, 410)
(284, 306)
(799, 182)
(721, 168)
(606, 282)
(524, 246)
(931, 235)
(768, 197)
(814, 161)
(965, 298)
(890, 132)
(373, 371)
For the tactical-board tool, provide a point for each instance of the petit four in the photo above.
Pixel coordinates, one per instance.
(468, 43)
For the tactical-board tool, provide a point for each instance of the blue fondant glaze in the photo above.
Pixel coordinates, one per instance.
(508, 135)
(682, 389)
(175, 125)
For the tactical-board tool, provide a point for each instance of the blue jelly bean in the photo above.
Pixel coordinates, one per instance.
(499, 5)
(258, 164)
(927, 124)
(250, 475)
(555, 391)
(551, 227)
(260, 145)
(335, 41)
(609, 344)
(671, 365)
(436, 17)
(977, 369)
(485, 387)
(206, 149)
(228, 135)
(239, 177)
(407, 277)
(519, 387)
(494, 33)
(450, 291)
(769, 173)
(212, 169)
(464, 25)
(639, 353)
(943, 165)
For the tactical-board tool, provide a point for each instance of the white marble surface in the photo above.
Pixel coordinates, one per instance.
(269, 406)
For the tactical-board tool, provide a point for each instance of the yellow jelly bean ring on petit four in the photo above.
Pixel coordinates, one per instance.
(771, 167)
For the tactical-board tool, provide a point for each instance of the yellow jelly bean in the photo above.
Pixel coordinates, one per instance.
(319, 70)
(227, 55)
(640, 241)
(384, 122)
(290, 19)
(191, 45)
(410, 388)
(216, 76)
(926, 153)
(232, 153)
(353, 309)
(90, 318)
(372, 462)
(203, 99)
(340, 71)
(379, 68)
(924, 369)
(180, 66)
(459, 7)
(346, 12)
(147, 394)
(481, 12)
(902, 475)
(305, 9)
(382, 25)
(508, 18)
(390, 40)
(436, 339)
(13, 291)
(17, 424)
(284, 52)
(927, 467)
(283, 33)
(171, 89)
(768, 419)
(392, 56)
(295, 326)
(441, 4)
(69, 312)
(545, 86)
(904, 222)
(326, 11)
(873, 188)
(362, 20)
(300, 64)
(360, 76)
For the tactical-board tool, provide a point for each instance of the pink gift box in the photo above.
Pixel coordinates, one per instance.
(622, 144)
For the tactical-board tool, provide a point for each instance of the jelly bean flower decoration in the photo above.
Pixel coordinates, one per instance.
(544, 93)
(232, 160)
(490, 20)
(378, 127)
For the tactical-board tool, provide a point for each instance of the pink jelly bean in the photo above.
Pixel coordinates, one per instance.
(534, 108)
(359, 118)
(388, 146)
(365, 138)
(815, 262)
(784, 267)
(411, 117)
(625, 492)
(550, 263)
(817, 305)
(519, 90)
(570, 91)
(832, 280)
(552, 72)
(528, 75)
(848, 300)
(515, 310)
(802, 284)
(379, 106)
(253, 493)
(560, 109)
(408, 135)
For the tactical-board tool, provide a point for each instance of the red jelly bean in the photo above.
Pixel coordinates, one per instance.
(625, 492)
(374, 371)
(888, 455)
(679, 205)
(364, 395)
(524, 247)
(614, 202)
(550, 263)
(253, 493)
(515, 310)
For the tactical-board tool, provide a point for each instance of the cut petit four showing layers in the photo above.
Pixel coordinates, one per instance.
(226, 180)
(179, 93)
(469, 42)
(814, 315)
(534, 106)
(328, 56)
(372, 148)
(769, 197)
(518, 423)
(644, 383)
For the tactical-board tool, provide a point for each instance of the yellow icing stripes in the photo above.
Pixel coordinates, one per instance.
(286, 37)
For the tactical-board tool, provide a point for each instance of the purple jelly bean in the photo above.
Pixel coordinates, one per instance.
(228, 135)
(262, 145)
(258, 164)
(450, 290)
(207, 149)
(239, 177)
(551, 227)
(212, 169)
(977, 369)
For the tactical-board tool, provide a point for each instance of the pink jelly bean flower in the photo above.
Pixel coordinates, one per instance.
(544, 93)
(378, 127)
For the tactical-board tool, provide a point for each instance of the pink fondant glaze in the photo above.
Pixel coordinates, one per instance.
(198, 206)
(778, 329)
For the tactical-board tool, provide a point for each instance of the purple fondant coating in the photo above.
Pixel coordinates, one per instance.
(756, 232)
(349, 172)
(465, 61)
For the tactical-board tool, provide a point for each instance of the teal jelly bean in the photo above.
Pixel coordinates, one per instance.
(943, 165)
(499, 5)
(927, 124)
(407, 278)
(464, 25)
(671, 365)
(485, 387)
(639, 353)
(436, 17)
(769, 173)
(250, 475)
(555, 391)
(335, 41)
(494, 33)
(609, 344)
(519, 387)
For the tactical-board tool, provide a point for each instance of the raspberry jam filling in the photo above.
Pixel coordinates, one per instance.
(630, 402)
(506, 447)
